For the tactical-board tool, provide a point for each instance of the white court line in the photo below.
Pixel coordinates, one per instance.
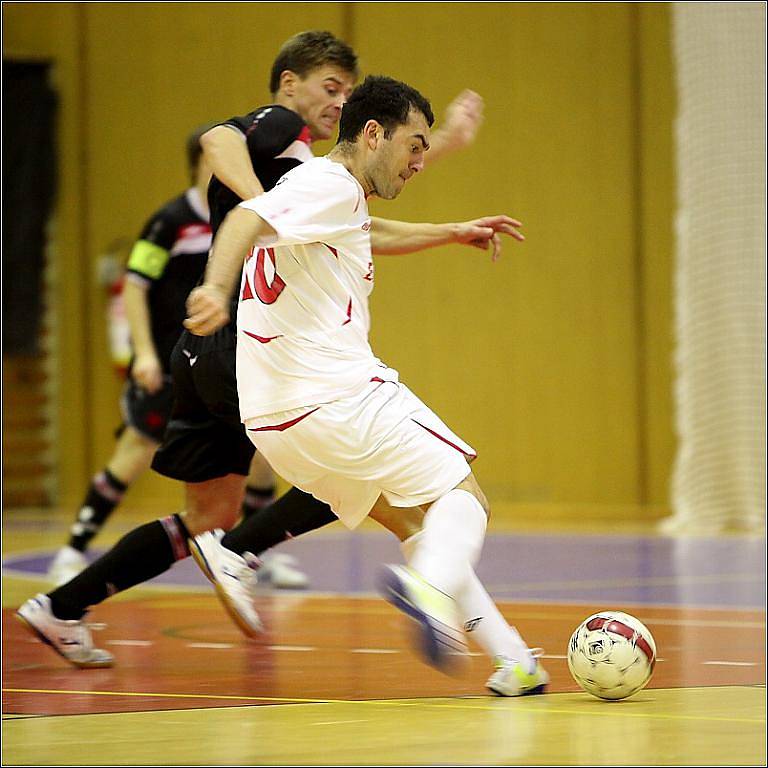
(210, 645)
(731, 663)
(292, 648)
(370, 650)
(130, 642)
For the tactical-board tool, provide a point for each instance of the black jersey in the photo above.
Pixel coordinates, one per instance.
(170, 257)
(277, 140)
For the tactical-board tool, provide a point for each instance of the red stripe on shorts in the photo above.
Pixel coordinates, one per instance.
(470, 456)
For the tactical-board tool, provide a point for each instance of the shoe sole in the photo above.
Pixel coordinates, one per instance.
(32, 629)
(428, 642)
(234, 614)
(531, 692)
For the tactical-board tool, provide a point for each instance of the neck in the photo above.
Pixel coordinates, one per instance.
(346, 155)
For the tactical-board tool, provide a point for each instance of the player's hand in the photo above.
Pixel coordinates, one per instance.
(147, 372)
(485, 233)
(207, 310)
(463, 119)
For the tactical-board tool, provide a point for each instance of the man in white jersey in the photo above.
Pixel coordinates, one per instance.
(329, 416)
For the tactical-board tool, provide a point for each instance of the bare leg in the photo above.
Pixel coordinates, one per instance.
(132, 455)
(213, 504)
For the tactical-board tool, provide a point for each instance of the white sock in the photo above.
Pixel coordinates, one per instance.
(485, 624)
(481, 618)
(450, 540)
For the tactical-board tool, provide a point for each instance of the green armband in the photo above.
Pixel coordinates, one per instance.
(148, 259)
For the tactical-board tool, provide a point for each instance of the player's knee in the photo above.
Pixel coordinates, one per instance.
(214, 503)
(471, 485)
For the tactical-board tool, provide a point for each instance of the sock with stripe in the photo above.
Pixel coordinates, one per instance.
(104, 494)
(256, 499)
(294, 513)
(142, 554)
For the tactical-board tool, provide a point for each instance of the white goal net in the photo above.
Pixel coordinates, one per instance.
(719, 478)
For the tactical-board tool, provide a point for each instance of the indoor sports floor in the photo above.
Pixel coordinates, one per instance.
(334, 682)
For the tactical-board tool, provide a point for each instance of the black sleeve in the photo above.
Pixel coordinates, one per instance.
(161, 229)
(269, 130)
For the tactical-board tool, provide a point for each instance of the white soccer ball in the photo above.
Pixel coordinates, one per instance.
(611, 655)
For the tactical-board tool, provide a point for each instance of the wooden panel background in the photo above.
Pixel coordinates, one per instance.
(554, 363)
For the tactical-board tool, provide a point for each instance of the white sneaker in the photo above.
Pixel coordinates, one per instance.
(512, 678)
(232, 576)
(70, 639)
(441, 638)
(280, 571)
(66, 565)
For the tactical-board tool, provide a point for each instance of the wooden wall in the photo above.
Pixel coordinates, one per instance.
(553, 363)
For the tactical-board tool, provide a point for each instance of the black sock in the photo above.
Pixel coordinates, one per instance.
(142, 554)
(104, 494)
(256, 499)
(292, 514)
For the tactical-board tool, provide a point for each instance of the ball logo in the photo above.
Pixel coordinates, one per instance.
(596, 648)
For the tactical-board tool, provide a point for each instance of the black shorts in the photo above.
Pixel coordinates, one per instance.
(204, 438)
(146, 413)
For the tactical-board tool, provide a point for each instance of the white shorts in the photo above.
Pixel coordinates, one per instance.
(349, 452)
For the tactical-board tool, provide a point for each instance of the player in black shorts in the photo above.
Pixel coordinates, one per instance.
(205, 443)
(166, 262)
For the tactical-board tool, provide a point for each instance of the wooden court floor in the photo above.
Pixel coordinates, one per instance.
(334, 682)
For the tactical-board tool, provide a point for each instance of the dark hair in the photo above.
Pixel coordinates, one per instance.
(194, 150)
(385, 100)
(309, 50)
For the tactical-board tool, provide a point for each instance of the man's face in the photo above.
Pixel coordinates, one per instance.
(396, 159)
(319, 97)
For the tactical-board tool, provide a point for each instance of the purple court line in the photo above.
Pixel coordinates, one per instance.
(724, 572)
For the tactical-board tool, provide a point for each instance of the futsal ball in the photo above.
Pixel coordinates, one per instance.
(611, 655)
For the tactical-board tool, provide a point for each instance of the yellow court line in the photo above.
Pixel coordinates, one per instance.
(383, 702)
(176, 695)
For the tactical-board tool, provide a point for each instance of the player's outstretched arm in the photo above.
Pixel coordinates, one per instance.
(208, 305)
(463, 119)
(393, 238)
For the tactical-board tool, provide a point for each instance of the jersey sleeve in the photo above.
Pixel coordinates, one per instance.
(306, 210)
(152, 251)
(271, 130)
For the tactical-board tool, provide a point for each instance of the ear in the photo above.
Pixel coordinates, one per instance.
(373, 133)
(288, 81)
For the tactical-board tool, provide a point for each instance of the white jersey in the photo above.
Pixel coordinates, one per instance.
(303, 318)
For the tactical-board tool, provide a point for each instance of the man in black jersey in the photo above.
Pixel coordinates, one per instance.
(165, 263)
(205, 444)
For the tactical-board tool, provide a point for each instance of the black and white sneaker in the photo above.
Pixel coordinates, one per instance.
(233, 578)
(71, 639)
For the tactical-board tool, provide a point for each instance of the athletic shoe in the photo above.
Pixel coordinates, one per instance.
(70, 639)
(280, 571)
(440, 638)
(512, 678)
(233, 578)
(66, 565)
